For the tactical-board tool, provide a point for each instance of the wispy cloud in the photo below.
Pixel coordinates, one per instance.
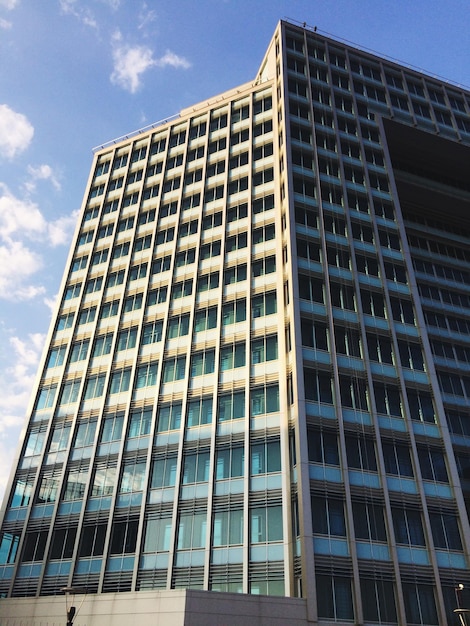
(24, 232)
(114, 4)
(41, 172)
(17, 266)
(19, 217)
(5, 24)
(146, 16)
(83, 14)
(16, 381)
(9, 5)
(16, 132)
(172, 60)
(131, 62)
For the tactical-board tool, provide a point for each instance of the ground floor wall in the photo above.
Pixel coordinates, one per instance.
(157, 608)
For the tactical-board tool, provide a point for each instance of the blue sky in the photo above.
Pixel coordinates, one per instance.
(77, 73)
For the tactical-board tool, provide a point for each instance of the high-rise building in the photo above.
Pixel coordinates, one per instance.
(257, 379)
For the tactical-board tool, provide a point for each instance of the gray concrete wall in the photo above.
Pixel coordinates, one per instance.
(157, 608)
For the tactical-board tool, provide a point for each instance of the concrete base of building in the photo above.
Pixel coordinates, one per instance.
(157, 608)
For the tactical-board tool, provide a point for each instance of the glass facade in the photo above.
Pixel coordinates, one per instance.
(257, 376)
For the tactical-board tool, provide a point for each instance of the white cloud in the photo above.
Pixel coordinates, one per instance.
(17, 265)
(173, 60)
(21, 220)
(51, 302)
(146, 16)
(114, 4)
(19, 217)
(42, 172)
(60, 231)
(130, 62)
(5, 24)
(8, 4)
(16, 132)
(16, 382)
(72, 7)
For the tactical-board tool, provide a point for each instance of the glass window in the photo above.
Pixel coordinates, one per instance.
(174, 369)
(70, 392)
(152, 332)
(318, 386)
(205, 319)
(56, 357)
(196, 467)
(229, 462)
(112, 428)
(408, 526)
(203, 362)
(169, 416)
(266, 524)
(79, 350)
(65, 321)
(361, 453)
(133, 477)
(192, 531)
(369, 521)
(85, 434)
(314, 334)
(264, 400)
(178, 326)
(264, 349)
(231, 406)
(264, 304)
(75, 483)
(62, 543)
(311, 288)
(328, 516)
(94, 387)
(421, 405)
(92, 542)
(199, 412)
(46, 397)
(60, 437)
(127, 339)
(120, 381)
(432, 464)
(228, 528)
(378, 600)
(104, 481)
(49, 486)
(445, 531)
(265, 457)
(146, 375)
(397, 459)
(124, 537)
(22, 491)
(34, 546)
(157, 535)
(387, 399)
(102, 345)
(322, 447)
(140, 422)
(110, 309)
(164, 472)
(232, 356)
(233, 312)
(420, 605)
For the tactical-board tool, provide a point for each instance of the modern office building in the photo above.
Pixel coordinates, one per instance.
(257, 379)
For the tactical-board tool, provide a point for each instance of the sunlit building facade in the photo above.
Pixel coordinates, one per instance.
(257, 379)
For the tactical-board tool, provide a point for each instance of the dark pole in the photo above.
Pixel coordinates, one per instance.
(70, 615)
